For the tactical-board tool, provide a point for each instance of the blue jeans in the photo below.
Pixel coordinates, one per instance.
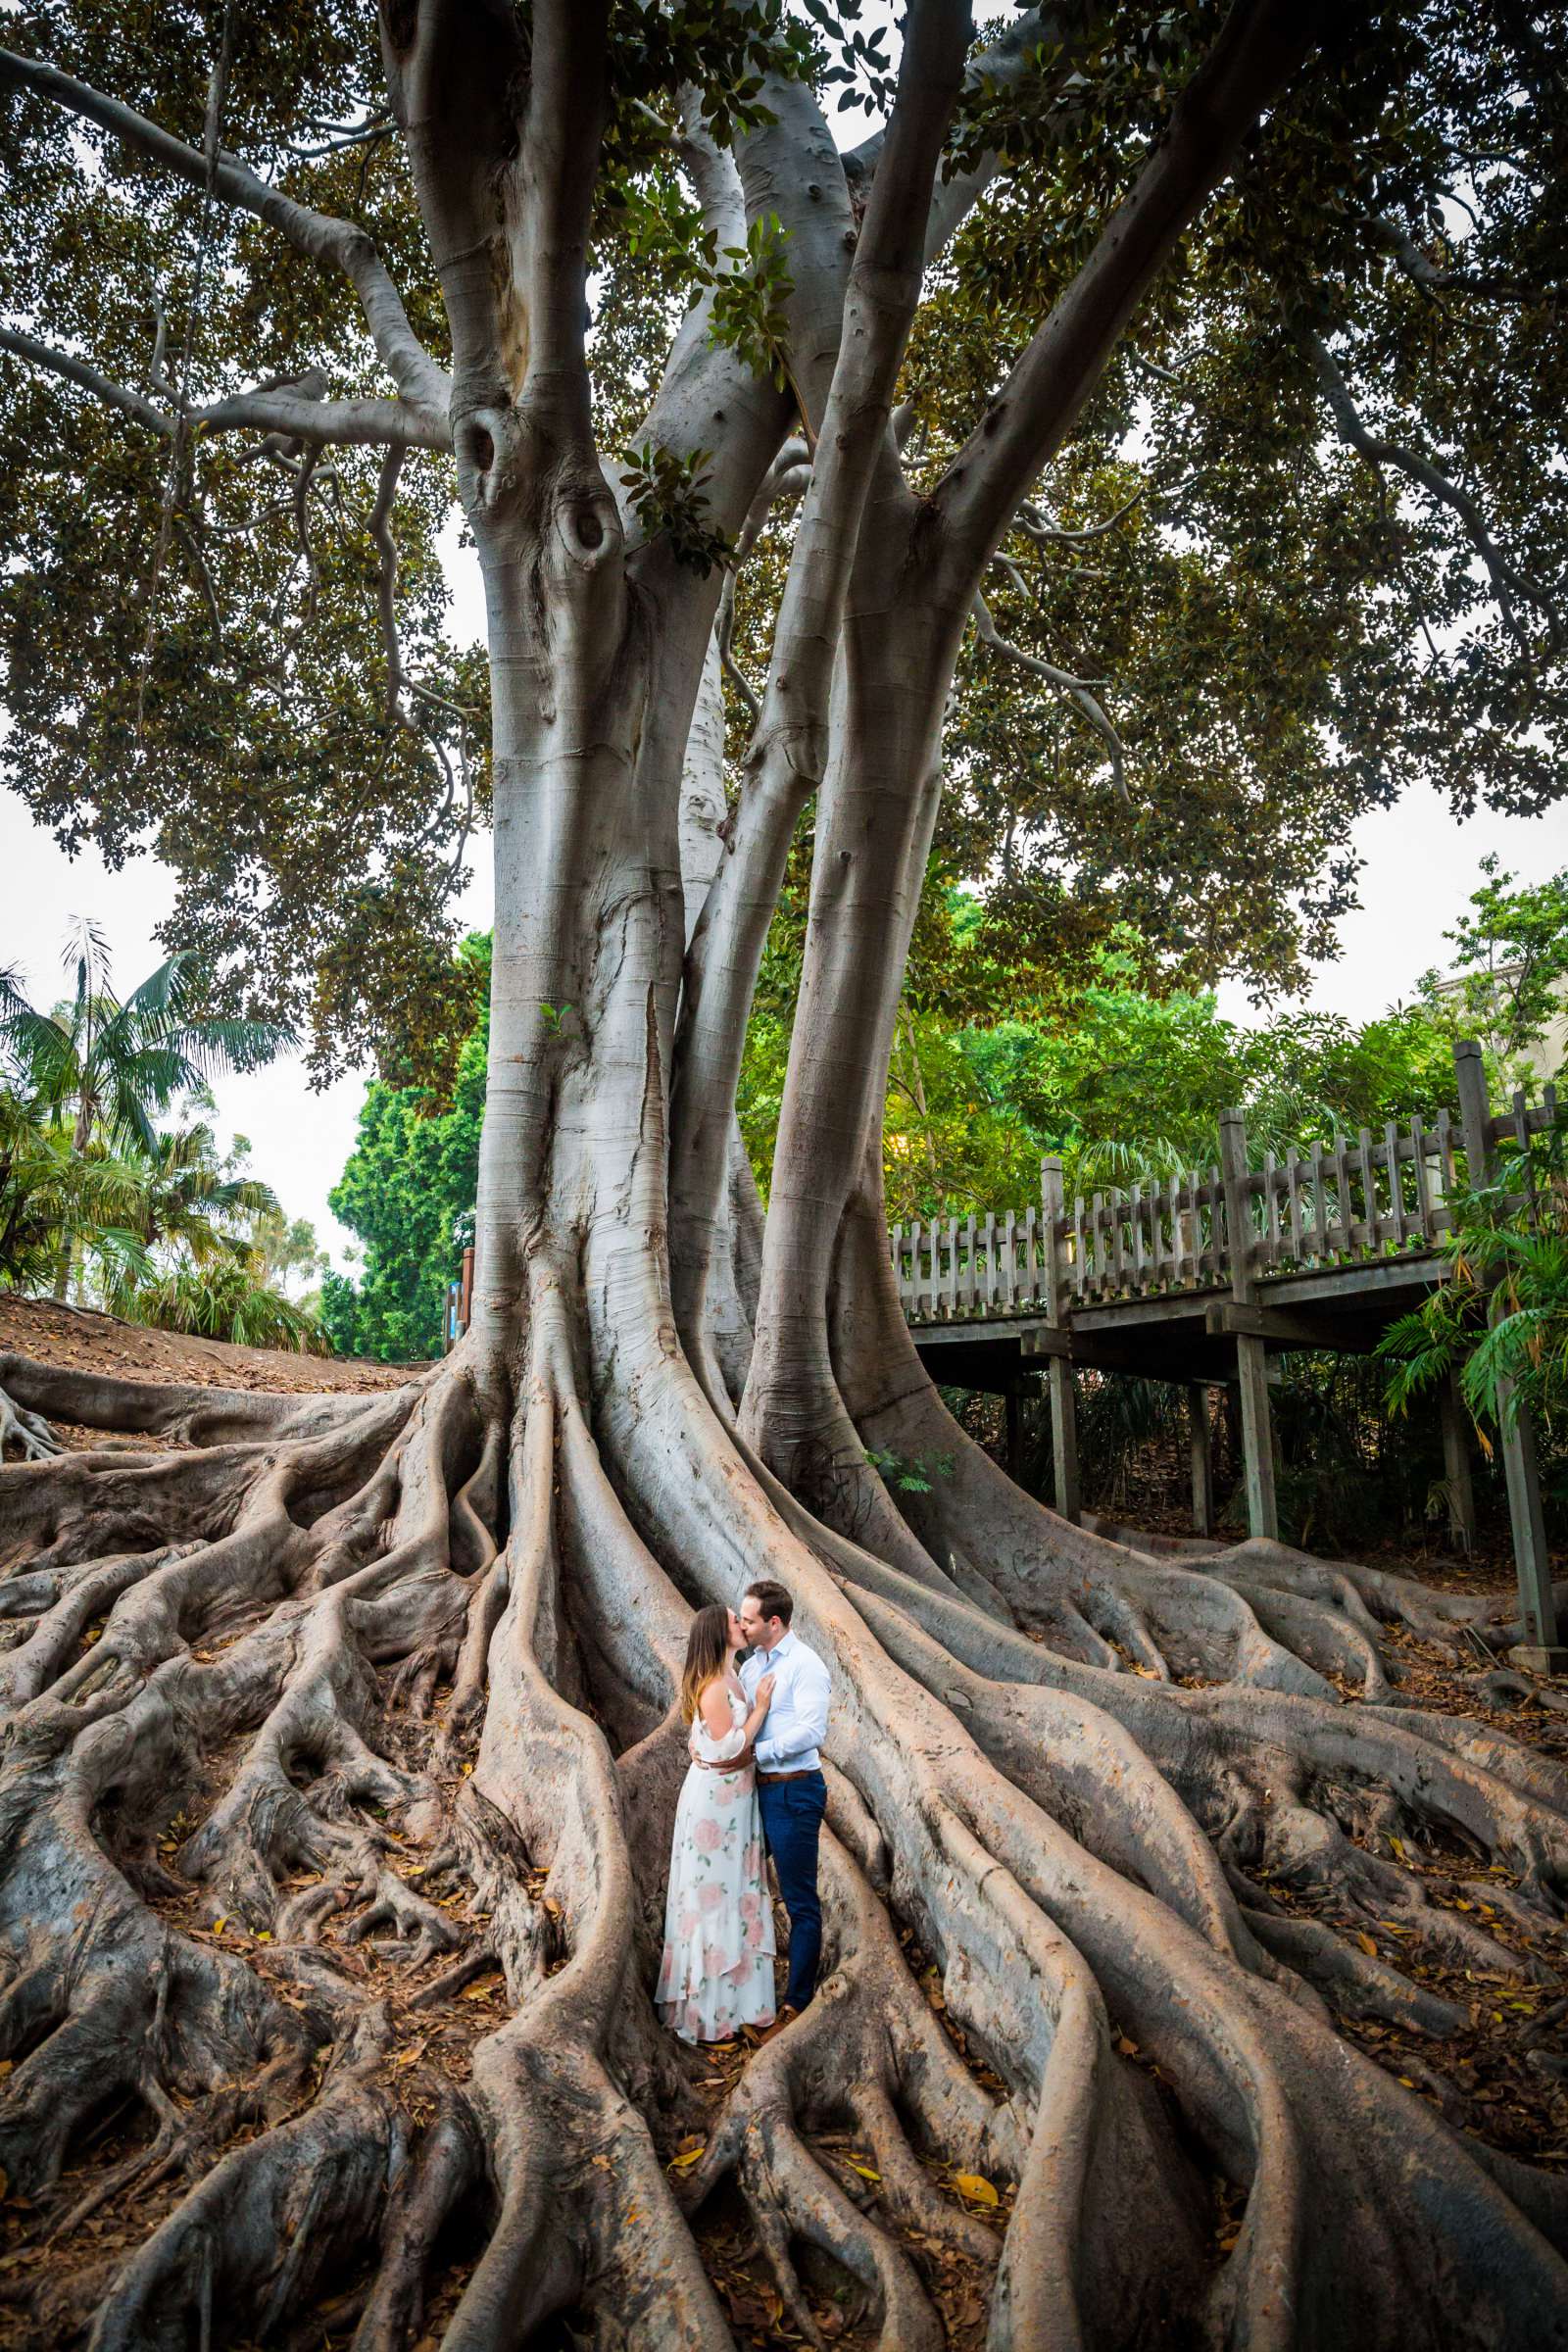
(792, 1821)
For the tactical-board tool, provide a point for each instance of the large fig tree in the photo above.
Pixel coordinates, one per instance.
(327, 1682)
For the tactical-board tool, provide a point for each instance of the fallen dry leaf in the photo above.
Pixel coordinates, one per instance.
(976, 2189)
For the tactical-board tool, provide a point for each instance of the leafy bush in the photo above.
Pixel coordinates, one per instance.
(225, 1299)
(1500, 1321)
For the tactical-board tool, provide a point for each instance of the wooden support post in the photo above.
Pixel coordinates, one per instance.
(1064, 1439)
(1257, 1438)
(1456, 1464)
(1252, 1354)
(1540, 1648)
(1063, 1403)
(1515, 1433)
(1202, 1458)
(1015, 1435)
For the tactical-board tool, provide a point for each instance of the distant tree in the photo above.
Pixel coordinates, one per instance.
(408, 1191)
(288, 1252)
(1509, 978)
(108, 1067)
(192, 1199)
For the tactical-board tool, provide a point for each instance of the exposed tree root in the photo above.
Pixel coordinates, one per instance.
(284, 1797)
(27, 1431)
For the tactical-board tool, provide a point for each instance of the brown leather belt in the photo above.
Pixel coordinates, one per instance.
(773, 1778)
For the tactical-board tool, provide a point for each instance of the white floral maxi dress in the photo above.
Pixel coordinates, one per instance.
(717, 1969)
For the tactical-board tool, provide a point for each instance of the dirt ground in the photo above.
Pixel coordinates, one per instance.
(52, 1334)
(67, 1335)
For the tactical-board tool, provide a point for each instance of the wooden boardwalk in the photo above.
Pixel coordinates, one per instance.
(1202, 1278)
(1374, 1208)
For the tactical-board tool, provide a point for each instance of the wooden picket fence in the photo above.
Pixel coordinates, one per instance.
(1341, 1203)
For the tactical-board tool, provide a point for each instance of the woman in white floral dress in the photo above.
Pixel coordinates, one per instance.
(717, 1969)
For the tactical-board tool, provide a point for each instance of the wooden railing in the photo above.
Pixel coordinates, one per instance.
(1341, 1203)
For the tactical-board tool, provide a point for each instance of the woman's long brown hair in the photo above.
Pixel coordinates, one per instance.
(707, 1655)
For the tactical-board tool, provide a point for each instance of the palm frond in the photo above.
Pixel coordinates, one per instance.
(163, 1001)
(219, 1045)
(86, 953)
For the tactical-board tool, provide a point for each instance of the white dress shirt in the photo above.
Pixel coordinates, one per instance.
(796, 1724)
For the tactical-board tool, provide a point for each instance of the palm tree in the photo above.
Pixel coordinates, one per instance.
(47, 1190)
(188, 1212)
(110, 1066)
(190, 1199)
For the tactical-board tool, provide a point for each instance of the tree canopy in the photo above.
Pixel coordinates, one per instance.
(1307, 539)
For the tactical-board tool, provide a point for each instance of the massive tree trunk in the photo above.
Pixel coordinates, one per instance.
(339, 1711)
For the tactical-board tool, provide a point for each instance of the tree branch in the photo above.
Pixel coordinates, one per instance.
(1004, 66)
(1261, 44)
(1508, 582)
(789, 476)
(731, 668)
(1035, 526)
(702, 378)
(1161, 375)
(715, 181)
(386, 548)
(884, 288)
(368, 423)
(1077, 690)
(788, 748)
(156, 370)
(279, 410)
(340, 243)
(568, 103)
(89, 379)
(1424, 273)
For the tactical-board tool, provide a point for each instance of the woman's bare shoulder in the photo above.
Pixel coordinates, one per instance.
(713, 1706)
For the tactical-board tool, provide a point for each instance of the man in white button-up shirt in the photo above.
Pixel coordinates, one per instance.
(790, 1788)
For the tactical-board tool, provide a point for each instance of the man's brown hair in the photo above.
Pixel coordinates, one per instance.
(774, 1599)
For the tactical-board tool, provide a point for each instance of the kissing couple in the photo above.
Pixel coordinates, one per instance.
(756, 1731)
